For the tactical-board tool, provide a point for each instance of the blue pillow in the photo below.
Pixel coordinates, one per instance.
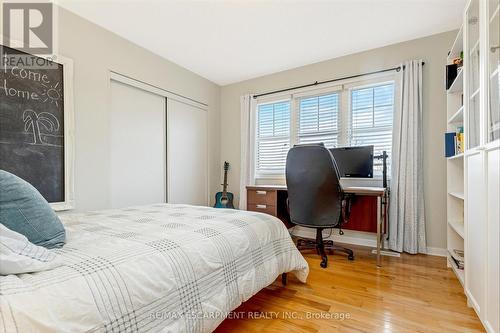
(24, 210)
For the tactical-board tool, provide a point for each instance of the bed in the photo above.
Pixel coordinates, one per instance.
(169, 268)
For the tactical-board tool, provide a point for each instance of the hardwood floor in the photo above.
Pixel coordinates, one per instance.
(414, 293)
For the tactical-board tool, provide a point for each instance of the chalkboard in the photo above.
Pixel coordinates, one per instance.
(32, 121)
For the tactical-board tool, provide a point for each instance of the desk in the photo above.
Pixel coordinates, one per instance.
(271, 199)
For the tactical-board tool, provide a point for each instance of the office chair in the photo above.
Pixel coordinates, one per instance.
(315, 197)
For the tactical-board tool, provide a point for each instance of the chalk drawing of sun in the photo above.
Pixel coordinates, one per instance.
(52, 94)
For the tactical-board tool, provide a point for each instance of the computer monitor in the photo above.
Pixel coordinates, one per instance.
(354, 161)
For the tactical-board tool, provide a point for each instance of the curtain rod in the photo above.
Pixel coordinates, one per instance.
(397, 69)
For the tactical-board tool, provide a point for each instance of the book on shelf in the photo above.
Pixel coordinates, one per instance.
(459, 264)
(449, 144)
(457, 256)
(454, 142)
(459, 141)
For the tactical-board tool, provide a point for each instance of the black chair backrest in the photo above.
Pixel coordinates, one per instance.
(314, 192)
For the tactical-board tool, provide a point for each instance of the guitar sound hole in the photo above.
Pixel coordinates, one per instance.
(224, 201)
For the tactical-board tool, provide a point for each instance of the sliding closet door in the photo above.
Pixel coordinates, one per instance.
(187, 154)
(138, 146)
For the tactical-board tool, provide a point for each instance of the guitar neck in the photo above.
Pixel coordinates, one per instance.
(224, 185)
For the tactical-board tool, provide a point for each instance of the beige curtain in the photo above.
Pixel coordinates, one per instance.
(407, 214)
(247, 119)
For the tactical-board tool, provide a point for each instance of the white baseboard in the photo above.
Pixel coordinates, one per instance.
(437, 251)
(356, 238)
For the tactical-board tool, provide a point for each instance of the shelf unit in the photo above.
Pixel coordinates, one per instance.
(455, 164)
(473, 178)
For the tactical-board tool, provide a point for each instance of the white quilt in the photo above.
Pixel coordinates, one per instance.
(168, 268)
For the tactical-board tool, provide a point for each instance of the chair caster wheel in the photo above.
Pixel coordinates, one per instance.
(350, 257)
(323, 263)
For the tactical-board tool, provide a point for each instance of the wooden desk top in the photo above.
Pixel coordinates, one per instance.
(359, 190)
(365, 190)
(267, 187)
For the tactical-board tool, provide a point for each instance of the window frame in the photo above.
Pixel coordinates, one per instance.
(344, 123)
(256, 173)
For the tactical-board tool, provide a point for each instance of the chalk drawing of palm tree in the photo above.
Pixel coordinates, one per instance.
(33, 121)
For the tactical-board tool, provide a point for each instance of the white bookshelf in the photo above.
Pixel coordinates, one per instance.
(455, 164)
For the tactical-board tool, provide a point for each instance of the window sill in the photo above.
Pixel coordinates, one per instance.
(270, 180)
(347, 181)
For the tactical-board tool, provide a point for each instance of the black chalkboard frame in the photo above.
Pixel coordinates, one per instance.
(68, 102)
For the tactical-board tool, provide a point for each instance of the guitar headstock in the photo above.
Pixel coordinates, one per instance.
(226, 166)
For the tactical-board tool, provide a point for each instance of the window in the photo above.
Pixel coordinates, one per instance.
(318, 119)
(372, 111)
(273, 137)
(359, 116)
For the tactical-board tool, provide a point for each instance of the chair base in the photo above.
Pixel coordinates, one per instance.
(321, 246)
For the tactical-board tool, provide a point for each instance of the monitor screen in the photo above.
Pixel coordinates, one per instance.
(354, 161)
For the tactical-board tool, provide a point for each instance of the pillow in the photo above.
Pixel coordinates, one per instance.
(24, 210)
(18, 255)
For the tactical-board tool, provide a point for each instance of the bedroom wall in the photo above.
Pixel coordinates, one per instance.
(432, 49)
(95, 51)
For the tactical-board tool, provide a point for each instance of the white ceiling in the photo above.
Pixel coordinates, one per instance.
(230, 41)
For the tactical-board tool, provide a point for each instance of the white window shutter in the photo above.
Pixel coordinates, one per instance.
(372, 110)
(318, 120)
(273, 137)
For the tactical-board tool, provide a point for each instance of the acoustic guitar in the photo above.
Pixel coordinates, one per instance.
(224, 199)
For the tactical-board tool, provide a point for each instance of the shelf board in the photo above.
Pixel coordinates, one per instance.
(458, 83)
(457, 45)
(474, 93)
(492, 75)
(455, 157)
(476, 45)
(458, 195)
(460, 273)
(458, 226)
(495, 13)
(457, 117)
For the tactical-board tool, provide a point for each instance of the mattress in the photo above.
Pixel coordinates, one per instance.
(164, 267)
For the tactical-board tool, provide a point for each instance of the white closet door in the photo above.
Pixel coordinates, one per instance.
(138, 146)
(493, 240)
(187, 154)
(475, 231)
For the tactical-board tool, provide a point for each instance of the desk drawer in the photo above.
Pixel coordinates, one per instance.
(262, 197)
(263, 208)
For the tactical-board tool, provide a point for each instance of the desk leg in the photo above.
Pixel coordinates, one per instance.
(379, 227)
